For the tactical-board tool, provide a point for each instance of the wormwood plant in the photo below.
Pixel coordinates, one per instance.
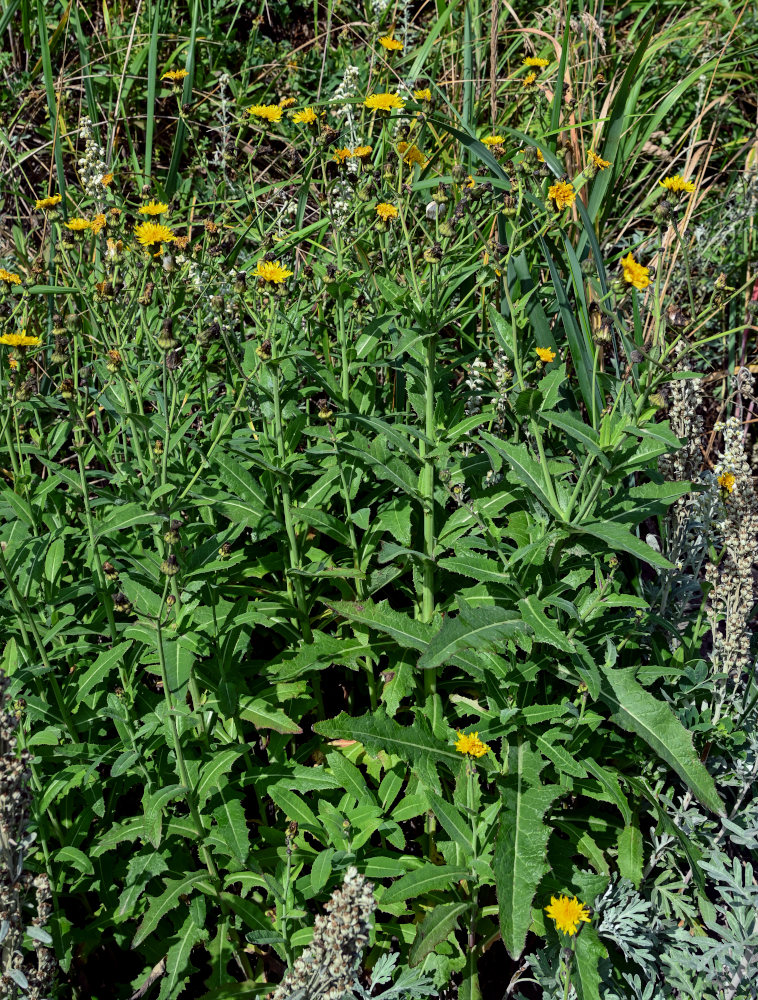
(332, 494)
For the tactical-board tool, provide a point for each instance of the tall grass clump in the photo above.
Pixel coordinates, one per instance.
(377, 516)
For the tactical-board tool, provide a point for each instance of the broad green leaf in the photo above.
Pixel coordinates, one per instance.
(472, 628)
(630, 853)
(350, 778)
(455, 826)
(178, 965)
(616, 536)
(264, 716)
(637, 711)
(219, 766)
(545, 629)
(589, 950)
(232, 826)
(428, 878)
(526, 471)
(179, 661)
(100, 669)
(521, 845)
(436, 926)
(293, 806)
(475, 565)
(238, 481)
(321, 869)
(414, 743)
(166, 902)
(408, 632)
(125, 516)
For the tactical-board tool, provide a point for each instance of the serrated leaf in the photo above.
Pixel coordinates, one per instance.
(545, 629)
(528, 472)
(453, 823)
(589, 950)
(166, 902)
(630, 854)
(407, 631)
(472, 628)
(232, 827)
(178, 965)
(211, 773)
(100, 669)
(436, 926)
(428, 878)
(519, 863)
(616, 536)
(377, 732)
(637, 711)
(295, 808)
(265, 716)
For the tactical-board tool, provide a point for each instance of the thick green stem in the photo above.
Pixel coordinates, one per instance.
(426, 448)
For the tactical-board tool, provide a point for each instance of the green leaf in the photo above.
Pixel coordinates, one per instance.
(454, 824)
(293, 806)
(630, 854)
(589, 950)
(166, 902)
(521, 845)
(472, 628)
(616, 536)
(545, 629)
(437, 925)
(232, 827)
(321, 869)
(264, 716)
(125, 516)
(637, 711)
(528, 473)
(100, 669)
(178, 965)
(377, 732)
(408, 632)
(212, 772)
(428, 878)
(179, 661)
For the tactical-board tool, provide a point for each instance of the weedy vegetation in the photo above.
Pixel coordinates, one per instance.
(377, 513)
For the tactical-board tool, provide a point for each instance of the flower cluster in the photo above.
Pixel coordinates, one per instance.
(328, 968)
(92, 166)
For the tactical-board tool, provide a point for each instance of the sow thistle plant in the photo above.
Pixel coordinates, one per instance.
(332, 489)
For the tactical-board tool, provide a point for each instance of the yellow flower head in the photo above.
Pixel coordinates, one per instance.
(635, 274)
(471, 744)
(340, 155)
(411, 154)
(9, 277)
(562, 193)
(529, 79)
(286, 102)
(50, 202)
(12, 364)
(471, 183)
(545, 354)
(726, 481)
(386, 211)
(361, 152)
(423, 95)
(390, 43)
(153, 208)
(19, 340)
(270, 270)
(493, 140)
(598, 161)
(677, 184)
(271, 112)
(150, 233)
(535, 61)
(106, 179)
(567, 913)
(305, 117)
(540, 156)
(97, 223)
(384, 102)
(175, 75)
(78, 225)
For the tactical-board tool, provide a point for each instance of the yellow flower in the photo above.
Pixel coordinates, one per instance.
(97, 223)
(384, 102)
(423, 95)
(270, 270)
(545, 354)
(50, 202)
(470, 744)
(271, 112)
(597, 161)
(150, 233)
(529, 79)
(471, 182)
(106, 179)
(493, 140)
(175, 75)
(386, 211)
(12, 279)
(634, 273)
(677, 184)
(78, 225)
(726, 481)
(340, 155)
(153, 208)
(534, 61)
(540, 156)
(361, 152)
(411, 154)
(562, 194)
(19, 340)
(305, 117)
(12, 364)
(286, 102)
(390, 43)
(567, 913)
